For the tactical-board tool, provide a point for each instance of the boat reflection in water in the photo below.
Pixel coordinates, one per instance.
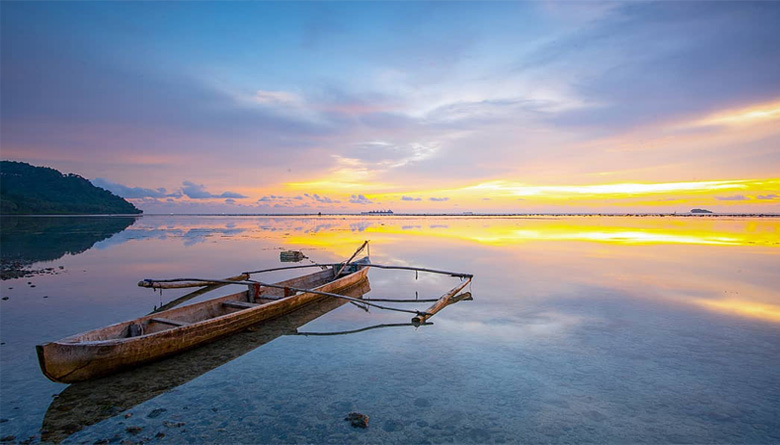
(87, 403)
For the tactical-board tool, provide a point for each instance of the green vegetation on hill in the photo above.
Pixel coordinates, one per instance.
(30, 190)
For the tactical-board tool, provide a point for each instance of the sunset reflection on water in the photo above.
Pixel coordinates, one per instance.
(696, 261)
(333, 231)
(652, 299)
(687, 260)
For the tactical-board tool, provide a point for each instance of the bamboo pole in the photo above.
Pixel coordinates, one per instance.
(422, 269)
(189, 282)
(394, 300)
(441, 303)
(311, 291)
(378, 266)
(363, 246)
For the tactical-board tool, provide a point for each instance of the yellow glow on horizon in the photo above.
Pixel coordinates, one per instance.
(501, 236)
(511, 189)
(764, 311)
(516, 231)
(567, 191)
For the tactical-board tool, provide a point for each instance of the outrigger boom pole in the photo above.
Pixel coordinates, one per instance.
(175, 283)
(420, 316)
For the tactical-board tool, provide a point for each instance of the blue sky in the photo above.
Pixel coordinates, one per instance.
(428, 100)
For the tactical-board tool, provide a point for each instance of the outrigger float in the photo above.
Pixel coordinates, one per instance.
(166, 332)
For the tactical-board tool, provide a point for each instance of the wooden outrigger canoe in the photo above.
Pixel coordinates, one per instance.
(86, 403)
(131, 343)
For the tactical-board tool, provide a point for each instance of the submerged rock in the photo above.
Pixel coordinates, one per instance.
(156, 413)
(357, 420)
(133, 429)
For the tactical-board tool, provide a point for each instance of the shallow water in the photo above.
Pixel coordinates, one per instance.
(582, 329)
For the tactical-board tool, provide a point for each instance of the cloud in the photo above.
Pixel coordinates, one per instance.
(230, 201)
(360, 199)
(277, 97)
(198, 191)
(477, 101)
(485, 111)
(732, 198)
(382, 156)
(725, 43)
(299, 201)
(770, 196)
(438, 199)
(133, 192)
(323, 199)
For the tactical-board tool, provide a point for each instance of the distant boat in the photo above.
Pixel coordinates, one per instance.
(131, 343)
(291, 256)
(378, 212)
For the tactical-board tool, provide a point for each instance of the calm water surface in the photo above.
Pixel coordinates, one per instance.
(582, 329)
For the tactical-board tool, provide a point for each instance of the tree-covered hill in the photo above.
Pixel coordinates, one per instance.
(26, 189)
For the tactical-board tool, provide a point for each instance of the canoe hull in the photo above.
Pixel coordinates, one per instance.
(69, 361)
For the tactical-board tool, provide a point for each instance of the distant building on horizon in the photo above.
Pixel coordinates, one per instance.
(378, 212)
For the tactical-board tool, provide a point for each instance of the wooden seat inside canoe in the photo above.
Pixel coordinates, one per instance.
(169, 321)
(239, 304)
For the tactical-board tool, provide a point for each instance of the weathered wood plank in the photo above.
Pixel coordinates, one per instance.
(239, 304)
(169, 321)
(182, 285)
(346, 263)
(441, 303)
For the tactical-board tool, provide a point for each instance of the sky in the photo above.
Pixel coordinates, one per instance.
(440, 107)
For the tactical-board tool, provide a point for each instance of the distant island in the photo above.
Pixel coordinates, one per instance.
(700, 211)
(378, 212)
(29, 190)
